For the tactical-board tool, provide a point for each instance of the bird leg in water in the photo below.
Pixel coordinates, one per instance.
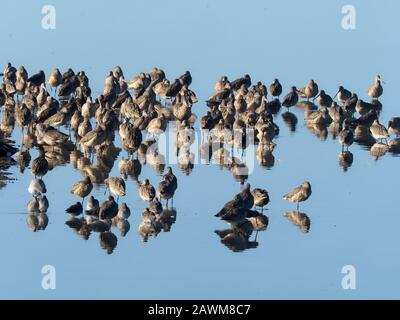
(297, 206)
(22, 138)
(255, 238)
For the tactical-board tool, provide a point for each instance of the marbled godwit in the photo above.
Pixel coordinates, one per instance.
(343, 95)
(58, 119)
(378, 131)
(40, 166)
(394, 126)
(37, 79)
(376, 89)
(165, 190)
(291, 98)
(88, 109)
(9, 72)
(84, 127)
(323, 99)
(299, 194)
(363, 107)
(161, 89)
(221, 84)
(82, 188)
(47, 109)
(320, 117)
(47, 135)
(186, 79)
(55, 79)
(350, 104)
(174, 89)
(146, 191)
(275, 88)
(310, 90)
(93, 138)
(261, 197)
(68, 86)
(233, 211)
(75, 121)
(244, 81)
(246, 197)
(116, 185)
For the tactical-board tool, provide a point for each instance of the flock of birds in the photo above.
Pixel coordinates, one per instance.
(58, 116)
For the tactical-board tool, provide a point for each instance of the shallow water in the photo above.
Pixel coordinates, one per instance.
(353, 213)
(352, 222)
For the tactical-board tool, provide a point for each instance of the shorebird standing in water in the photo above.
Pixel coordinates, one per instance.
(310, 90)
(115, 185)
(375, 90)
(378, 131)
(291, 98)
(55, 79)
(261, 198)
(299, 194)
(82, 188)
(323, 99)
(343, 95)
(146, 191)
(275, 88)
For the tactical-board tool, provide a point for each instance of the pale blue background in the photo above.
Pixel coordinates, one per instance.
(355, 216)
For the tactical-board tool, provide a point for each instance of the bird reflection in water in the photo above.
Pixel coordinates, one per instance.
(291, 120)
(242, 219)
(345, 160)
(153, 223)
(299, 219)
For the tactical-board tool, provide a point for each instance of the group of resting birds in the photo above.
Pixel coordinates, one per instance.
(239, 106)
(128, 108)
(134, 108)
(241, 214)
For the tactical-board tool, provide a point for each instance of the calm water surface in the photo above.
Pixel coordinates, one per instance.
(354, 213)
